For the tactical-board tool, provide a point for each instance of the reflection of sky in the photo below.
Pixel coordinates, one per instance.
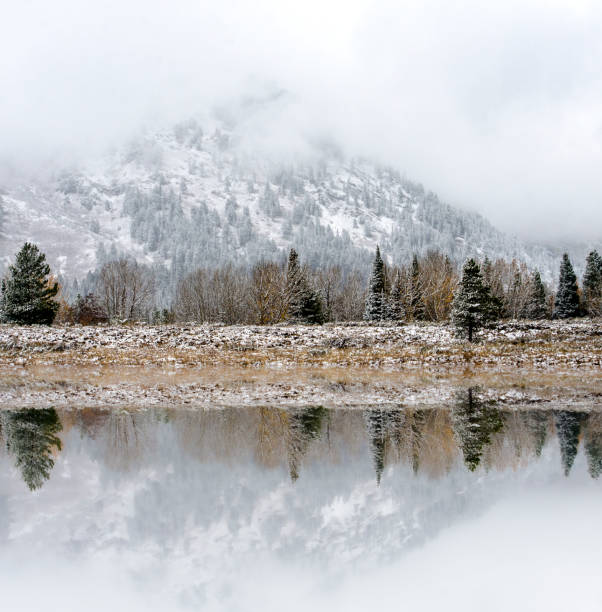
(170, 525)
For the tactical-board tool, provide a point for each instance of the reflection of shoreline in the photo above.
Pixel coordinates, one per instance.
(133, 387)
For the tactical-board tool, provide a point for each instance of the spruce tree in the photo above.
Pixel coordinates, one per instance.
(304, 304)
(473, 305)
(295, 285)
(395, 310)
(416, 299)
(567, 297)
(592, 284)
(376, 303)
(27, 292)
(536, 307)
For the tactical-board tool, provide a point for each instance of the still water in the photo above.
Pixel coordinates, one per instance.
(466, 507)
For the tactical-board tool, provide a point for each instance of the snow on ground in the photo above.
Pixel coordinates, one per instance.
(355, 364)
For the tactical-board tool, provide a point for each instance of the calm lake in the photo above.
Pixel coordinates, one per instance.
(471, 506)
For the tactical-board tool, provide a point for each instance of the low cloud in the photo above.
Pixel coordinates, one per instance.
(495, 106)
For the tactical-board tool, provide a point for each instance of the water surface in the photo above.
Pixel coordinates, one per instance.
(469, 506)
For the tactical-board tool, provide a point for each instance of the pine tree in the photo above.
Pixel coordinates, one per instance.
(473, 305)
(536, 306)
(416, 299)
(592, 284)
(376, 302)
(27, 292)
(566, 304)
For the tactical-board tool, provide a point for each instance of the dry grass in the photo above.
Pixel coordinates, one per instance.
(552, 362)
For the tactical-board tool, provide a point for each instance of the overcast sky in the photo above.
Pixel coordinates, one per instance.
(497, 106)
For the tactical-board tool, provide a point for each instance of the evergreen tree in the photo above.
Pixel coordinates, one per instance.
(536, 305)
(395, 310)
(592, 284)
(304, 304)
(87, 310)
(472, 306)
(568, 429)
(376, 303)
(294, 285)
(30, 435)
(567, 297)
(27, 292)
(416, 299)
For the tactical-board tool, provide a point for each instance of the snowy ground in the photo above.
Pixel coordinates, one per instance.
(209, 365)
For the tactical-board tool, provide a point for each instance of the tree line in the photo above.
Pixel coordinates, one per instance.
(429, 288)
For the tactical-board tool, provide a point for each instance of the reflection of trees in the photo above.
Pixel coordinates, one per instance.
(536, 423)
(124, 440)
(304, 426)
(593, 444)
(474, 422)
(568, 429)
(271, 427)
(404, 435)
(30, 436)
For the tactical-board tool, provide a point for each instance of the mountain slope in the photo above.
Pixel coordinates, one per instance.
(182, 199)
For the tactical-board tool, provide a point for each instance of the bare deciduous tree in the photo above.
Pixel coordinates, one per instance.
(125, 289)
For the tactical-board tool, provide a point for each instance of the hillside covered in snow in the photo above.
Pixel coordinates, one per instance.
(191, 197)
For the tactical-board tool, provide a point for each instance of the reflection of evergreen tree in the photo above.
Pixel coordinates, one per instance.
(30, 436)
(536, 423)
(568, 428)
(417, 423)
(593, 445)
(304, 426)
(395, 431)
(474, 423)
(376, 422)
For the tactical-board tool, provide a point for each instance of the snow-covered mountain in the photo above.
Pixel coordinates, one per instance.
(191, 196)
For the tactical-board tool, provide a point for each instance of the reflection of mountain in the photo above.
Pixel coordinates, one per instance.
(207, 492)
(30, 437)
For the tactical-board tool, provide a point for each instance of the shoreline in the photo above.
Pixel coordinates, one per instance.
(526, 363)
